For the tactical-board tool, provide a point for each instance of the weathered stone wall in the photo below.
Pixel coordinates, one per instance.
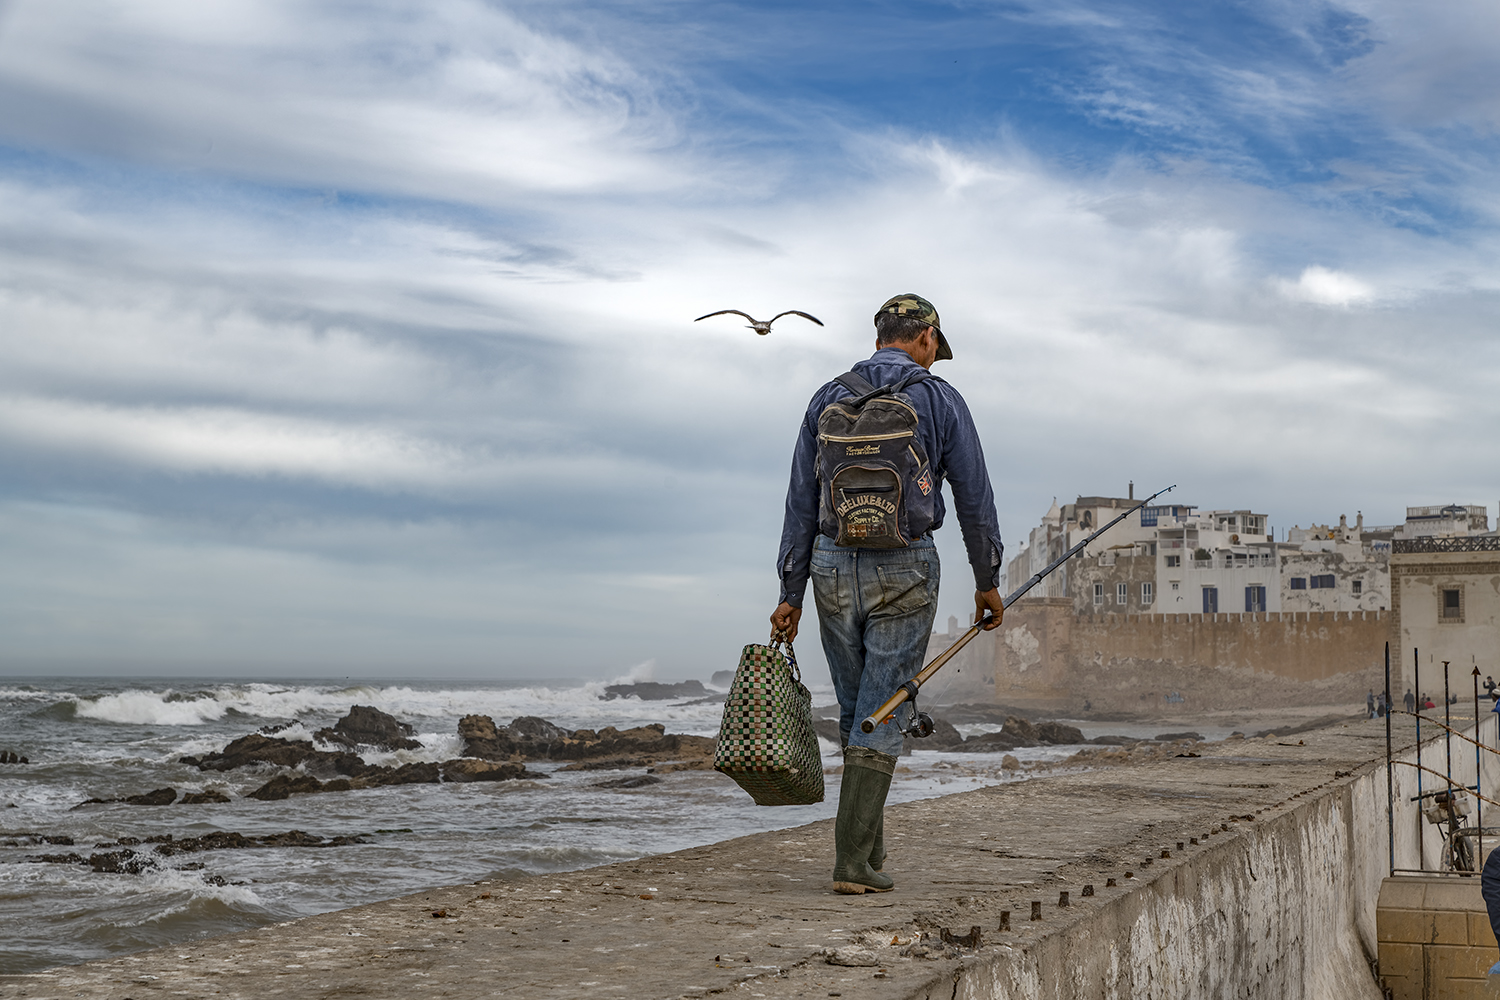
(1046, 655)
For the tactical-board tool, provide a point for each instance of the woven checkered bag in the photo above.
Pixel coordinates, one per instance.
(766, 741)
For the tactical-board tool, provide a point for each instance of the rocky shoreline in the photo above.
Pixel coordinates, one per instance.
(490, 753)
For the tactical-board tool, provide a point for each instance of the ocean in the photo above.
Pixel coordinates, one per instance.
(106, 738)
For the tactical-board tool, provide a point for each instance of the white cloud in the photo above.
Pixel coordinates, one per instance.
(1326, 287)
(454, 99)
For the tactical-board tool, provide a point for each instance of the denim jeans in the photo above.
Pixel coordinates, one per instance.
(875, 611)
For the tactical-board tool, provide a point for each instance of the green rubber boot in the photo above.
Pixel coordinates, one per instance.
(867, 779)
(877, 852)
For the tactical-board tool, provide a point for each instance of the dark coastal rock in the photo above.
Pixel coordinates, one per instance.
(283, 785)
(71, 858)
(1173, 737)
(125, 862)
(483, 739)
(634, 781)
(652, 691)
(366, 725)
(203, 798)
(458, 770)
(484, 770)
(1059, 734)
(406, 774)
(530, 738)
(1114, 740)
(292, 838)
(1023, 732)
(722, 678)
(990, 743)
(160, 797)
(1016, 734)
(529, 727)
(944, 737)
(220, 840)
(257, 748)
(11, 757)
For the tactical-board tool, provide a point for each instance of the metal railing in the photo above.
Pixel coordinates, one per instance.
(1448, 805)
(1457, 543)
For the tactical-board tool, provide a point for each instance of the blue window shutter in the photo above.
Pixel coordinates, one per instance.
(1255, 599)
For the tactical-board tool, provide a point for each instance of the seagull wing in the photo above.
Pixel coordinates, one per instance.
(797, 312)
(721, 312)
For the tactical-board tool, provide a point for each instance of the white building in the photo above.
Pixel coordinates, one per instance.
(1449, 521)
(1340, 568)
(1174, 558)
(1216, 561)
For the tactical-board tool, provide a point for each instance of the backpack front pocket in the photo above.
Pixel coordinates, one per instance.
(866, 500)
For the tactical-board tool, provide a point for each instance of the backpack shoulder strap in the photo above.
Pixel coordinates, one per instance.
(863, 390)
(855, 383)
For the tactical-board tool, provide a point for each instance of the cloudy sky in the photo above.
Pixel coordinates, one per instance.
(348, 338)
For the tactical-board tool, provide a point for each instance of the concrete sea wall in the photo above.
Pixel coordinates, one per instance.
(1285, 910)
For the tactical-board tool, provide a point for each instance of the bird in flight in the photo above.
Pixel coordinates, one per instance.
(764, 327)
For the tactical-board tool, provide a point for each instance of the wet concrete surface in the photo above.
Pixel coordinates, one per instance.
(756, 916)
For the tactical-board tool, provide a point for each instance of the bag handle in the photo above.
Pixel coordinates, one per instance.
(779, 640)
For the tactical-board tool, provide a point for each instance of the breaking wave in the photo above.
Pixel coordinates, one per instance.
(581, 705)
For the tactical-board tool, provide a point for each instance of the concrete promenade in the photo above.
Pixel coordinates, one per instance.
(1275, 899)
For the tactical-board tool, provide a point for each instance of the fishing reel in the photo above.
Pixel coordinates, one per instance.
(918, 724)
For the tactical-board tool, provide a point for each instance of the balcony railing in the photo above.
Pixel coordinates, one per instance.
(1458, 543)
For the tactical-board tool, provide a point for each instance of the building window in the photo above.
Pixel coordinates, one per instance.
(1148, 592)
(1299, 583)
(1358, 586)
(1451, 608)
(1174, 584)
(1322, 582)
(1255, 599)
(1173, 562)
(1098, 594)
(1210, 600)
(1122, 593)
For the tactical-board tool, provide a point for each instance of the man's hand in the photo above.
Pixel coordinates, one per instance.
(987, 600)
(785, 619)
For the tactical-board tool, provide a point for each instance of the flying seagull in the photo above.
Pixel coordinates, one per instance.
(764, 328)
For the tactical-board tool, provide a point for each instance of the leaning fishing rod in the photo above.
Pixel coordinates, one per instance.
(921, 722)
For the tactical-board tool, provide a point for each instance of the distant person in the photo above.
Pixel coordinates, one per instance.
(1410, 702)
(861, 528)
(1489, 688)
(1370, 705)
(1427, 701)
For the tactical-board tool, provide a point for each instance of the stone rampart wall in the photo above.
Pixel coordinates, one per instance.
(1046, 655)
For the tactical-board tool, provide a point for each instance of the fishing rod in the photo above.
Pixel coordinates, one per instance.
(921, 722)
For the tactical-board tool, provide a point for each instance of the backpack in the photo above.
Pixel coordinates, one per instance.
(875, 487)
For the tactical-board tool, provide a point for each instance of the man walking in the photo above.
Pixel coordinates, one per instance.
(860, 523)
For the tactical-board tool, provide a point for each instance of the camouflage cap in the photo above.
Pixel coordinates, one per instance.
(920, 309)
